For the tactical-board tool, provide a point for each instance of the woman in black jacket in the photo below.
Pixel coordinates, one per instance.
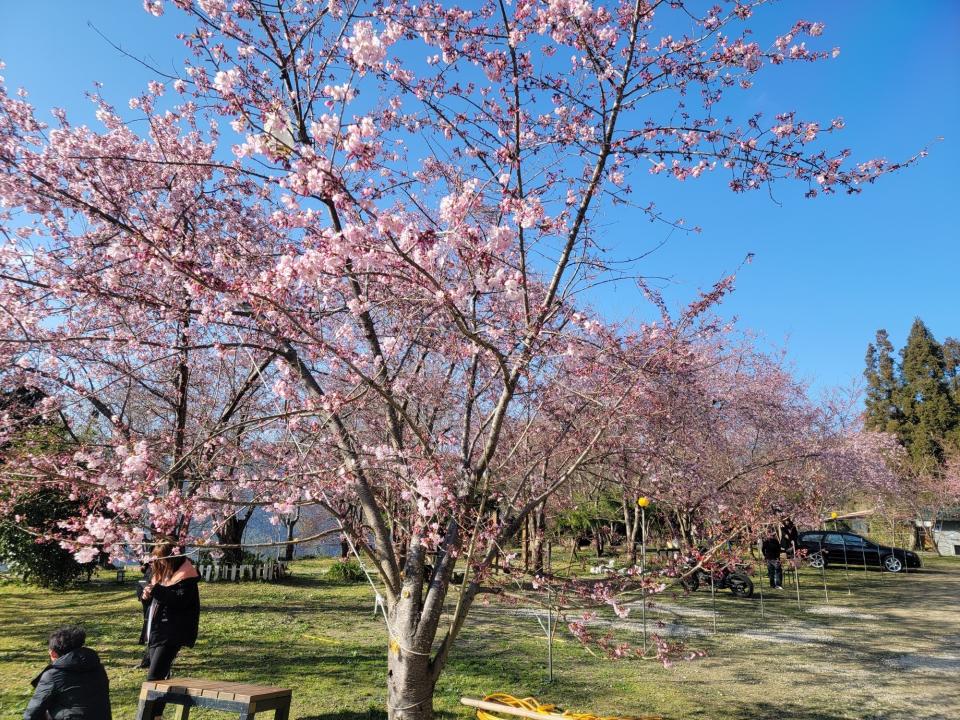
(173, 609)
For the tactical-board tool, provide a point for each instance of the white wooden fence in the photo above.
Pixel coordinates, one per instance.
(215, 572)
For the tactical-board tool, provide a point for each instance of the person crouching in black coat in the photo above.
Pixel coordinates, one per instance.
(74, 686)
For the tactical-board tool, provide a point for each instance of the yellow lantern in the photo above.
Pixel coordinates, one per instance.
(833, 515)
(643, 502)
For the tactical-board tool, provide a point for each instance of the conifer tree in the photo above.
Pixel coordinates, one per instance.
(882, 385)
(918, 400)
(930, 413)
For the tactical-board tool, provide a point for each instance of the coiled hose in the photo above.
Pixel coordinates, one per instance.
(533, 705)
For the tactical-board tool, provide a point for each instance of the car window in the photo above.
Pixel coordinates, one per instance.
(833, 539)
(813, 537)
(854, 540)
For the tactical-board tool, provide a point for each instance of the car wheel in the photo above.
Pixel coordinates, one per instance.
(817, 560)
(740, 585)
(891, 563)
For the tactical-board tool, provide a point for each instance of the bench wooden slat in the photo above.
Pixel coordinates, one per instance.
(269, 694)
(186, 683)
(240, 692)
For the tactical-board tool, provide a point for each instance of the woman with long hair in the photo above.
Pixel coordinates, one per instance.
(173, 613)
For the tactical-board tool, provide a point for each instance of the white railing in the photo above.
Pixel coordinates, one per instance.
(216, 572)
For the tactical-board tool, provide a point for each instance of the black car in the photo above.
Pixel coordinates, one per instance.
(845, 548)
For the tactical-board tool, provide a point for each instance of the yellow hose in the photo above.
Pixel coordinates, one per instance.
(534, 705)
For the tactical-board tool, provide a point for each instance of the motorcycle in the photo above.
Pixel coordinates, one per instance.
(725, 578)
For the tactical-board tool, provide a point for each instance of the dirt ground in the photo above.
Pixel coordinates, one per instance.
(887, 650)
(872, 646)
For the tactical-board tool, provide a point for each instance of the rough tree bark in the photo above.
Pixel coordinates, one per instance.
(290, 523)
(631, 520)
(410, 682)
(231, 533)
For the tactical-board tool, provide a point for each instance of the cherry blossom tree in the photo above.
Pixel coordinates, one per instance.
(739, 425)
(732, 443)
(370, 225)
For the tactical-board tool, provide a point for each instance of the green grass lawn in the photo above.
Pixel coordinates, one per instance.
(888, 650)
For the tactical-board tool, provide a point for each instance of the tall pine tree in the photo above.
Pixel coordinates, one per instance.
(930, 413)
(917, 401)
(882, 384)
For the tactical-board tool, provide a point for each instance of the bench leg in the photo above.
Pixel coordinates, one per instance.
(145, 709)
(281, 713)
(182, 713)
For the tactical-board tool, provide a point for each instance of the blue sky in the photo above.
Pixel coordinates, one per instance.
(826, 272)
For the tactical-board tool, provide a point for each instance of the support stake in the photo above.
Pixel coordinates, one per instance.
(713, 600)
(643, 565)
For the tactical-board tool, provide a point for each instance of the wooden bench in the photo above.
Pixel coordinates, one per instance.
(185, 693)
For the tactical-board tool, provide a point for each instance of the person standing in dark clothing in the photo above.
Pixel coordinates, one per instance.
(771, 553)
(172, 616)
(789, 537)
(74, 686)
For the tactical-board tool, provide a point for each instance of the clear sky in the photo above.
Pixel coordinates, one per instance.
(826, 272)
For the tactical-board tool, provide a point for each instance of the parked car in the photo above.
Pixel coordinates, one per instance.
(845, 548)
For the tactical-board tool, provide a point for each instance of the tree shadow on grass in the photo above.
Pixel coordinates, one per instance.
(356, 608)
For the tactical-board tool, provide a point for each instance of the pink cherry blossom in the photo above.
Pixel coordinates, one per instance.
(368, 294)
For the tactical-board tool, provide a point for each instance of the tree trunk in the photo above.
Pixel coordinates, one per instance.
(288, 551)
(685, 524)
(598, 539)
(231, 533)
(495, 563)
(410, 683)
(631, 520)
(414, 616)
(525, 542)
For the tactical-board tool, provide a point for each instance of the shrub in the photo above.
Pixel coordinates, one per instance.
(41, 562)
(346, 571)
